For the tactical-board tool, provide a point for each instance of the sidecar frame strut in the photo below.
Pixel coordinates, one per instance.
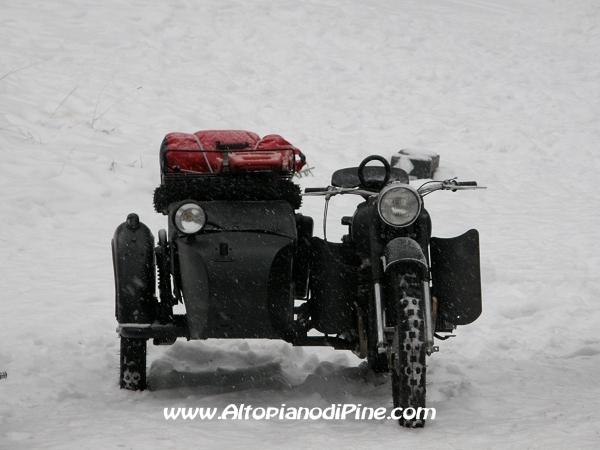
(179, 329)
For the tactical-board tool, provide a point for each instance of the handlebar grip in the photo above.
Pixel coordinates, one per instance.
(309, 190)
(466, 183)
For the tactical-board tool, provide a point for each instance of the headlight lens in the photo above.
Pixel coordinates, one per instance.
(190, 218)
(399, 204)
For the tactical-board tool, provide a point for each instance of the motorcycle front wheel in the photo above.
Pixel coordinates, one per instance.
(408, 371)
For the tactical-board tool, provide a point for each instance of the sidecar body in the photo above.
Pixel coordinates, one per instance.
(237, 283)
(238, 276)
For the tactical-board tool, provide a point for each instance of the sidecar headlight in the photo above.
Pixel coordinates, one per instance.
(399, 204)
(190, 218)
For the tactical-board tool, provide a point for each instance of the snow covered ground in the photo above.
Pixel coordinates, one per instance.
(508, 92)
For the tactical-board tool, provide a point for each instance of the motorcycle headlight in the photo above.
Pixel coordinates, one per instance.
(399, 204)
(190, 218)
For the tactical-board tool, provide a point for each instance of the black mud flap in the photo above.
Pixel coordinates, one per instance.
(333, 285)
(456, 277)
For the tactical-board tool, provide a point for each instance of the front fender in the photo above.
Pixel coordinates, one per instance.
(404, 250)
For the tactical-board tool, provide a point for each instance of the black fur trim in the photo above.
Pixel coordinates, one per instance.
(222, 187)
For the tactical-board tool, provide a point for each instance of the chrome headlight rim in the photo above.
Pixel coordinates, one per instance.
(409, 190)
(189, 217)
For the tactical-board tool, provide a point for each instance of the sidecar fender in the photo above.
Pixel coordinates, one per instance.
(456, 277)
(134, 270)
(404, 250)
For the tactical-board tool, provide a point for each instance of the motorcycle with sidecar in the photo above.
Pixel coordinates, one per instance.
(246, 265)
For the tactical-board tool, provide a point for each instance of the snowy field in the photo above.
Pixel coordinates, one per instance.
(507, 91)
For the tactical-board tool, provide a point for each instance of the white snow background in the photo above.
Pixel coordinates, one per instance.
(508, 92)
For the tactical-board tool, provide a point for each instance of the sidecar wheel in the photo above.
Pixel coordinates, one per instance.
(408, 366)
(133, 364)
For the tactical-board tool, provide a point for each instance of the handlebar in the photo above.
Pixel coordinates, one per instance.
(427, 188)
(451, 185)
(333, 190)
